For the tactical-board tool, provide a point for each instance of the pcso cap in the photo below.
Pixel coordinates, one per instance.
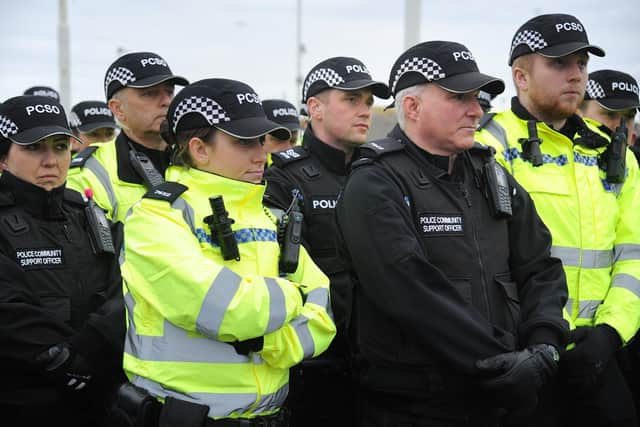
(43, 91)
(27, 119)
(448, 64)
(282, 112)
(614, 90)
(138, 70)
(87, 116)
(553, 35)
(342, 73)
(228, 105)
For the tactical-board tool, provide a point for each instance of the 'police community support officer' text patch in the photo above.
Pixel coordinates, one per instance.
(439, 224)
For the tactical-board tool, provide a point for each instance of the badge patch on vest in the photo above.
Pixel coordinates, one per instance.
(438, 224)
(323, 203)
(35, 258)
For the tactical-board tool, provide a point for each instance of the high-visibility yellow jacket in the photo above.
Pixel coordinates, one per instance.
(113, 192)
(593, 222)
(185, 303)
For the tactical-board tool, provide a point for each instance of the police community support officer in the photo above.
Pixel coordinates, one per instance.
(451, 301)
(591, 212)
(339, 95)
(214, 325)
(61, 307)
(92, 122)
(139, 87)
(611, 96)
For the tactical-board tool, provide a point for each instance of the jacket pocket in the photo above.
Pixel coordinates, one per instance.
(507, 314)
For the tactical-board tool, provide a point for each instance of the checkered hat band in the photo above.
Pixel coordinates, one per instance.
(7, 127)
(121, 74)
(531, 38)
(594, 90)
(328, 75)
(429, 68)
(74, 120)
(206, 107)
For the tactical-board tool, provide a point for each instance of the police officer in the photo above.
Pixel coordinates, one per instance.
(285, 114)
(455, 314)
(586, 191)
(611, 96)
(43, 91)
(61, 307)
(139, 87)
(214, 323)
(339, 95)
(92, 122)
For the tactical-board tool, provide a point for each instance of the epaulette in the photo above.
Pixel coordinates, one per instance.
(482, 149)
(81, 158)
(375, 149)
(282, 158)
(7, 199)
(74, 197)
(168, 191)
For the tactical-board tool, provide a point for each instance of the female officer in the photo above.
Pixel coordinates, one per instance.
(61, 309)
(214, 324)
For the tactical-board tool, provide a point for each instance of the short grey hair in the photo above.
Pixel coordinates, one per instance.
(415, 90)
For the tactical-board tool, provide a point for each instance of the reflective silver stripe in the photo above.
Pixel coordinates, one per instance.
(176, 345)
(500, 134)
(628, 282)
(569, 306)
(591, 258)
(301, 325)
(587, 309)
(277, 307)
(278, 213)
(215, 304)
(187, 213)
(626, 252)
(101, 173)
(220, 404)
(319, 296)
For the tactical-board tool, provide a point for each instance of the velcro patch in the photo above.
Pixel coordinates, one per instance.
(439, 224)
(36, 258)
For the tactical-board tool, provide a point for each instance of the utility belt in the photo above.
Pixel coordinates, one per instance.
(135, 407)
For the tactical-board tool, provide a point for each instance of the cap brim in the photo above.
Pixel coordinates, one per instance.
(154, 80)
(618, 104)
(379, 89)
(292, 126)
(33, 135)
(254, 127)
(565, 49)
(470, 82)
(96, 125)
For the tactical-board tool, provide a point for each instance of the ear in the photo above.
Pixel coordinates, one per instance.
(520, 78)
(411, 106)
(115, 105)
(198, 151)
(314, 107)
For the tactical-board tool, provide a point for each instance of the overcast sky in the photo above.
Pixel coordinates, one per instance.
(255, 41)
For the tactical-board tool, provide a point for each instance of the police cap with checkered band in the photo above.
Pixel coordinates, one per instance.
(613, 90)
(228, 105)
(43, 91)
(28, 119)
(553, 35)
(282, 112)
(138, 70)
(342, 73)
(87, 116)
(450, 65)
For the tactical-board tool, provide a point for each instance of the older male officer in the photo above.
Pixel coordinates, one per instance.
(588, 199)
(339, 95)
(456, 314)
(138, 87)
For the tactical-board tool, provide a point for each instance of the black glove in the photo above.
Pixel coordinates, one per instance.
(65, 367)
(515, 377)
(594, 348)
(247, 346)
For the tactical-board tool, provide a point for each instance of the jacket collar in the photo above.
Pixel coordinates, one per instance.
(331, 158)
(126, 172)
(439, 164)
(35, 200)
(569, 129)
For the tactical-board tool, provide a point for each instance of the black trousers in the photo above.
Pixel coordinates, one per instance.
(321, 394)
